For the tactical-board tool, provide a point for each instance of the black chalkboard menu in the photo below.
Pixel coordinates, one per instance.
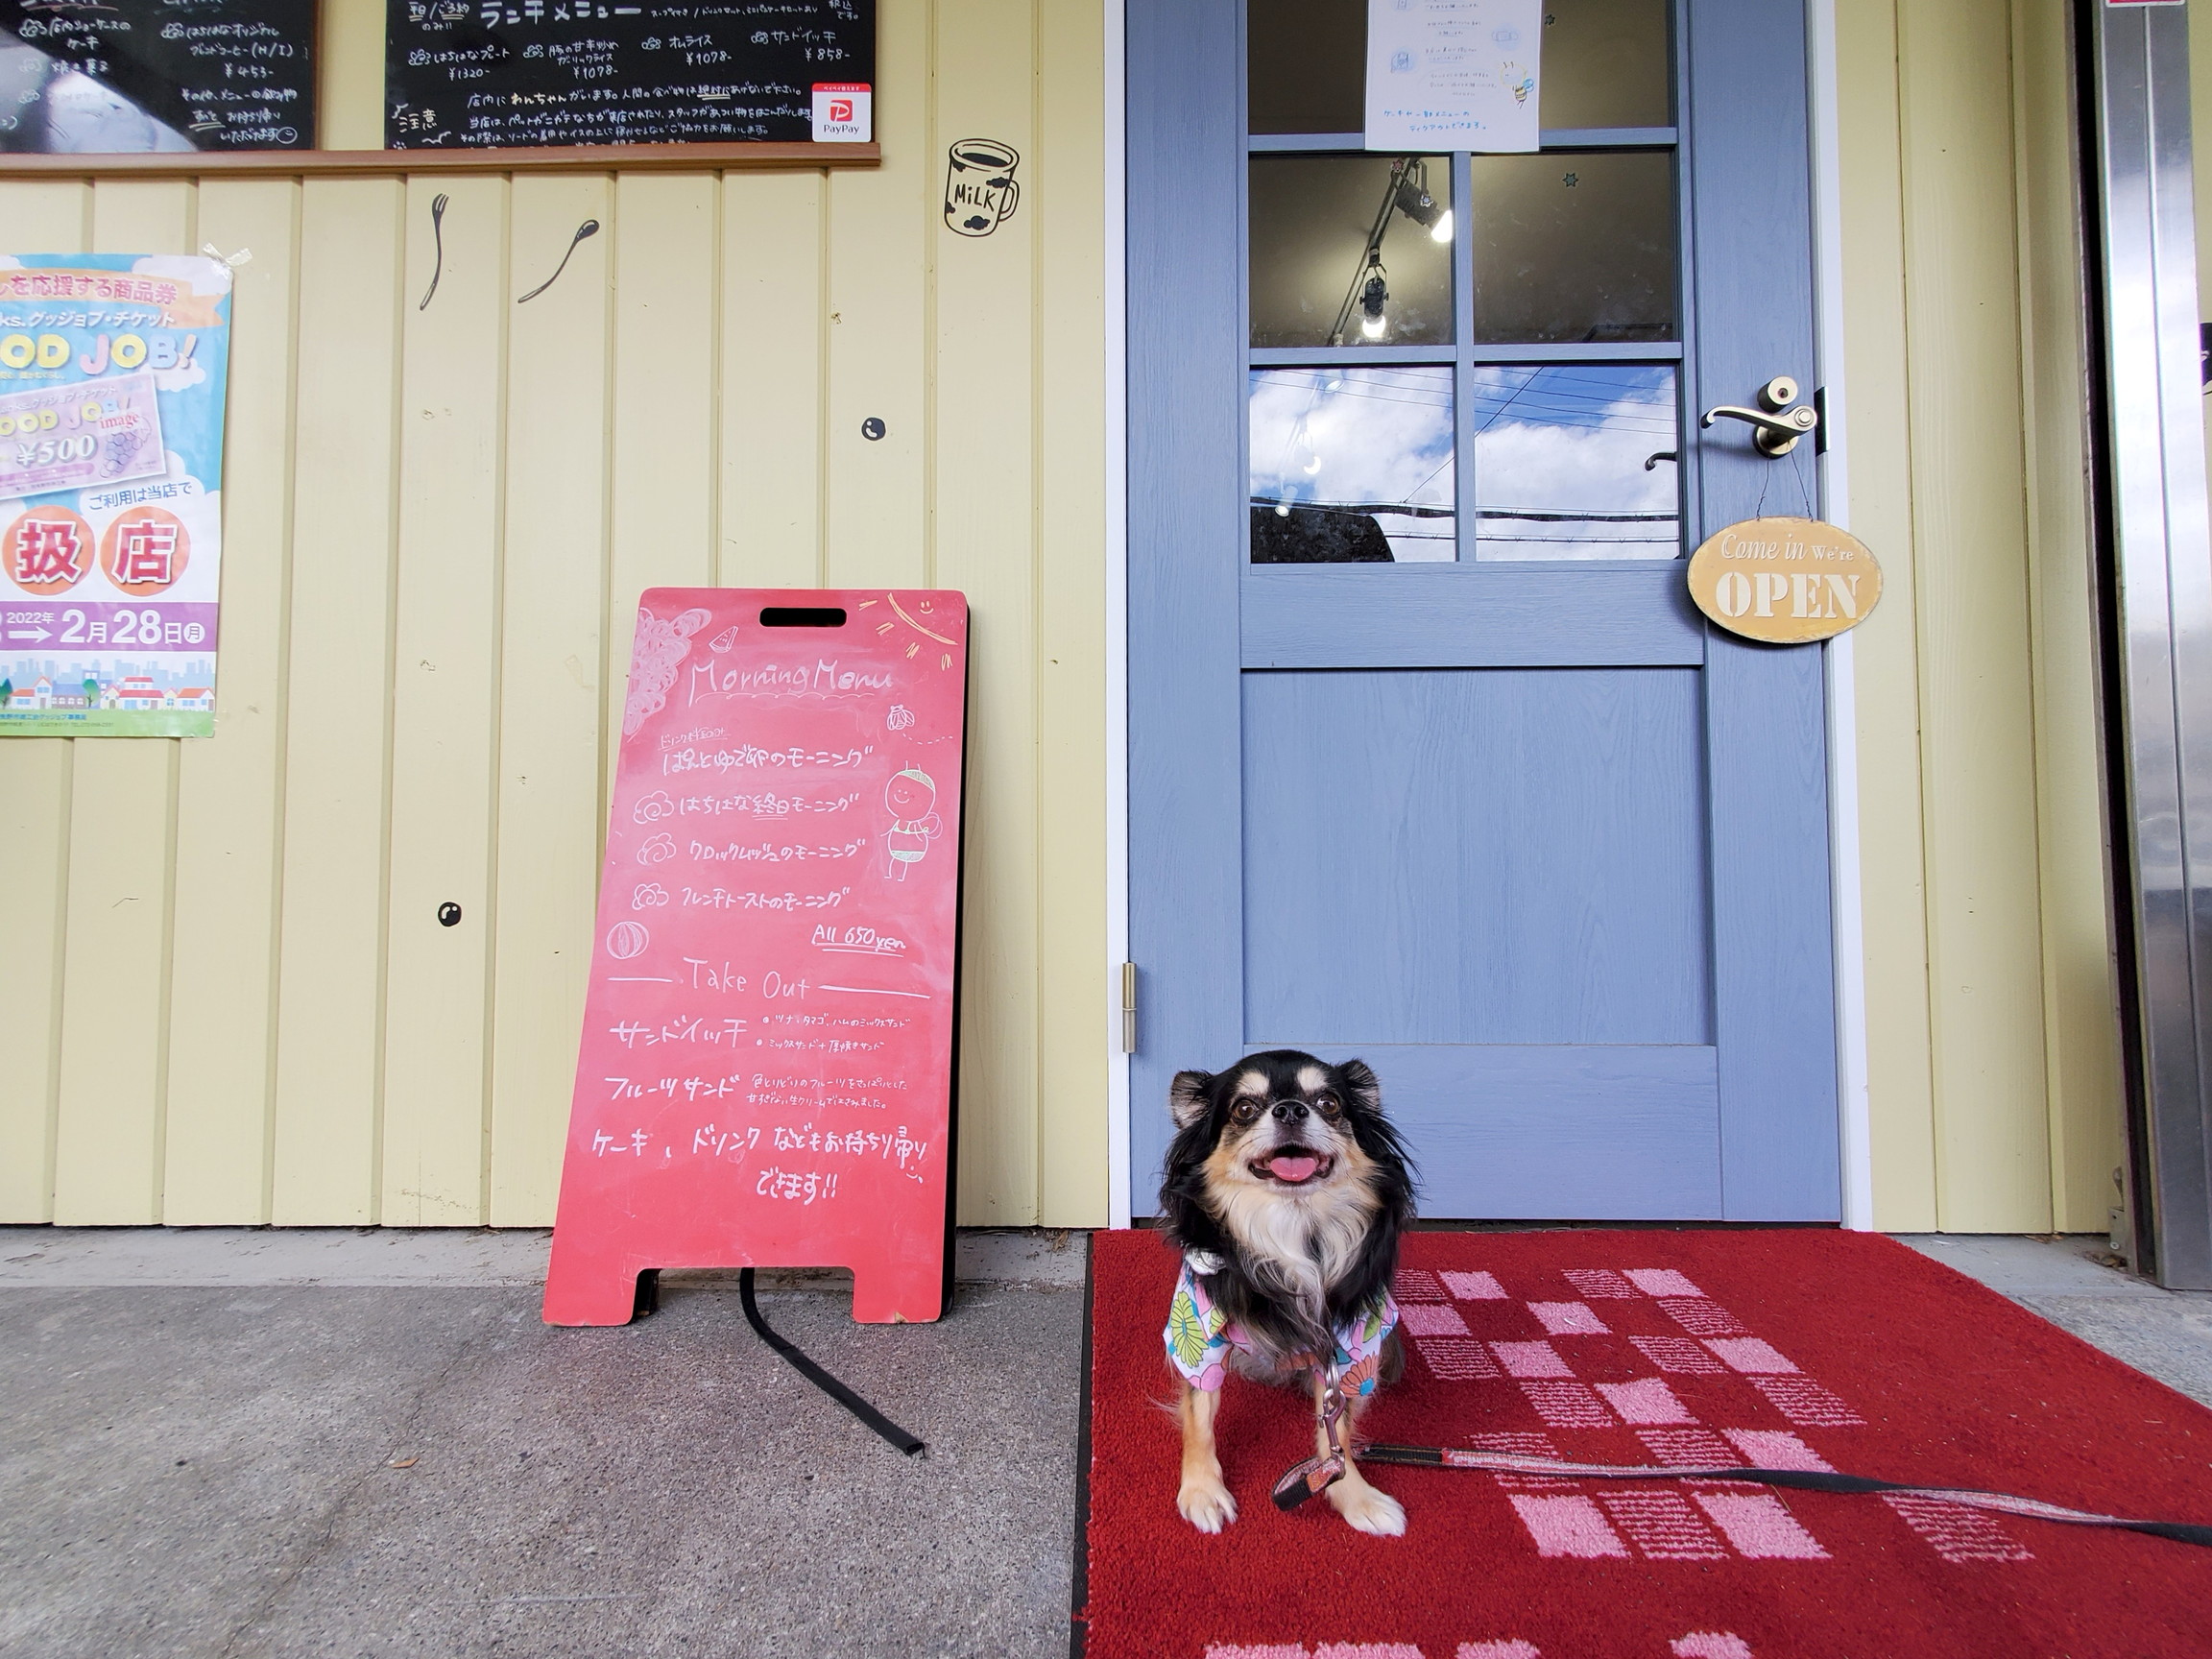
(130, 76)
(471, 73)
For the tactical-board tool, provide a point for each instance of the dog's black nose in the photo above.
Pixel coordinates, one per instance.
(1290, 1111)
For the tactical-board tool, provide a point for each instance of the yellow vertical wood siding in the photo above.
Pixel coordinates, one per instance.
(225, 994)
(1991, 1042)
(2083, 1113)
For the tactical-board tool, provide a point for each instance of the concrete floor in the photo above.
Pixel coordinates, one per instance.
(421, 1467)
(234, 1444)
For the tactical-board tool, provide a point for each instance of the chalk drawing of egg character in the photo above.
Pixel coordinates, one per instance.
(911, 796)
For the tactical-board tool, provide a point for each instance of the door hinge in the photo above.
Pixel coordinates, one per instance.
(1128, 1007)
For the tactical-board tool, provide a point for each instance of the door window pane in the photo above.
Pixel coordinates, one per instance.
(1572, 245)
(1606, 63)
(1352, 465)
(1313, 221)
(1306, 63)
(1574, 461)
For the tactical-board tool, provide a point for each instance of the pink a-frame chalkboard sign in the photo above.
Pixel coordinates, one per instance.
(766, 1075)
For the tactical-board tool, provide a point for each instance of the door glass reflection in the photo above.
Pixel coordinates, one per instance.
(1352, 465)
(1574, 461)
(1306, 65)
(1572, 245)
(1606, 63)
(1351, 251)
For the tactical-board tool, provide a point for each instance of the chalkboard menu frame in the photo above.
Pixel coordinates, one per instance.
(736, 155)
(386, 163)
(484, 74)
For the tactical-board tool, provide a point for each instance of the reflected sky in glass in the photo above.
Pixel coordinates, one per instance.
(48, 106)
(1351, 451)
(1575, 461)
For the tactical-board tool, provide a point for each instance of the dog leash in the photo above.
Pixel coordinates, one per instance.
(821, 1379)
(1317, 1474)
(1311, 1476)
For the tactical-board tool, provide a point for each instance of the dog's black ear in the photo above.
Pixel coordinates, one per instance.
(1188, 1097)
(1360, 1082)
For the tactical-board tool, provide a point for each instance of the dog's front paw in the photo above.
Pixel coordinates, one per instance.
(1367, 1509)
(1207, 1506)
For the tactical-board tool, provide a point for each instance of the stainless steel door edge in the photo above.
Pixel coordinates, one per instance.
(2162, 551)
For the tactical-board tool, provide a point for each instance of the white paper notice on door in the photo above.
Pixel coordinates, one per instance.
(1453, 74)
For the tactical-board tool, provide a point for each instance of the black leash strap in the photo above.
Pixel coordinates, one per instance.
(819, 1378)
(1803, 1480)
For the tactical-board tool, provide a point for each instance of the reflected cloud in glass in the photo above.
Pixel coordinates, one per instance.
(1352, 465)
(1575, 461)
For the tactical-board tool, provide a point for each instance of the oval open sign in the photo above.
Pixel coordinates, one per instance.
(1785, 580)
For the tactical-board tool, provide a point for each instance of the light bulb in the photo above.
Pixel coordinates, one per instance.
(1372, 299)
(1282, 509)
(1441, 230)
(1314, 465)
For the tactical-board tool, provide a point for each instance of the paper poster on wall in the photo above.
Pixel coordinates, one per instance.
(1454, 74)
(112, 368)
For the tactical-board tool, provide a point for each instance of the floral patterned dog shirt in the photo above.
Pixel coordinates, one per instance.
(1199, 1335)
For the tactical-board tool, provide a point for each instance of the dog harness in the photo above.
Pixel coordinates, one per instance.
(1199, 1335)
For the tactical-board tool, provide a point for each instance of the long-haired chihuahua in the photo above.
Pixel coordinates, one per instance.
(1287, 1190)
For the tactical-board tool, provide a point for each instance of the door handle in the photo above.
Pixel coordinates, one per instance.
(1775, 427)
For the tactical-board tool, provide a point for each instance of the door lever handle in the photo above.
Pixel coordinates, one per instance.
(1776, 428)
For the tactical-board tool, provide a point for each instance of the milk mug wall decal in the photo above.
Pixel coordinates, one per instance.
(980, 194)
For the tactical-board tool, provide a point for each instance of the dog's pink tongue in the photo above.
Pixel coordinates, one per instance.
(1290, 1166)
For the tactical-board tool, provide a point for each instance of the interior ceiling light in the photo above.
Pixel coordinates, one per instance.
(1372, 299)
(1406, 192)
(1424, 209)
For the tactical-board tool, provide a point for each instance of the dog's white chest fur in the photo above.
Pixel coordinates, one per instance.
(1304, 1245)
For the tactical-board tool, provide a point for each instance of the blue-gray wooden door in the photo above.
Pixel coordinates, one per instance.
(1543, 846)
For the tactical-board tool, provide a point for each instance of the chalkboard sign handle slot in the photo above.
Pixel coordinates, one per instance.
(803, 617)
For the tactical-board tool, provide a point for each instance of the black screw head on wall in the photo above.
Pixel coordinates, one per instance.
(448, 914)
(872, 428)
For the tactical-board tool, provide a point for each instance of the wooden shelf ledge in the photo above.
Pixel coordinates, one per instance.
(551, 158)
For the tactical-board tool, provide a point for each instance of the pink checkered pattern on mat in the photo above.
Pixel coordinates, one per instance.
(1431, 1319)
(1475, 1286)
(1709, 1520)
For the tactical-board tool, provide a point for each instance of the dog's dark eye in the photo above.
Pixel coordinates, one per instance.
(1327, 1105)
(1245, 1110)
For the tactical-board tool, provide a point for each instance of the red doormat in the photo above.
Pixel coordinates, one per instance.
(1791, 1348)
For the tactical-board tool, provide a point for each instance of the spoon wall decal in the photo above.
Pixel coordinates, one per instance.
(589, 228)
